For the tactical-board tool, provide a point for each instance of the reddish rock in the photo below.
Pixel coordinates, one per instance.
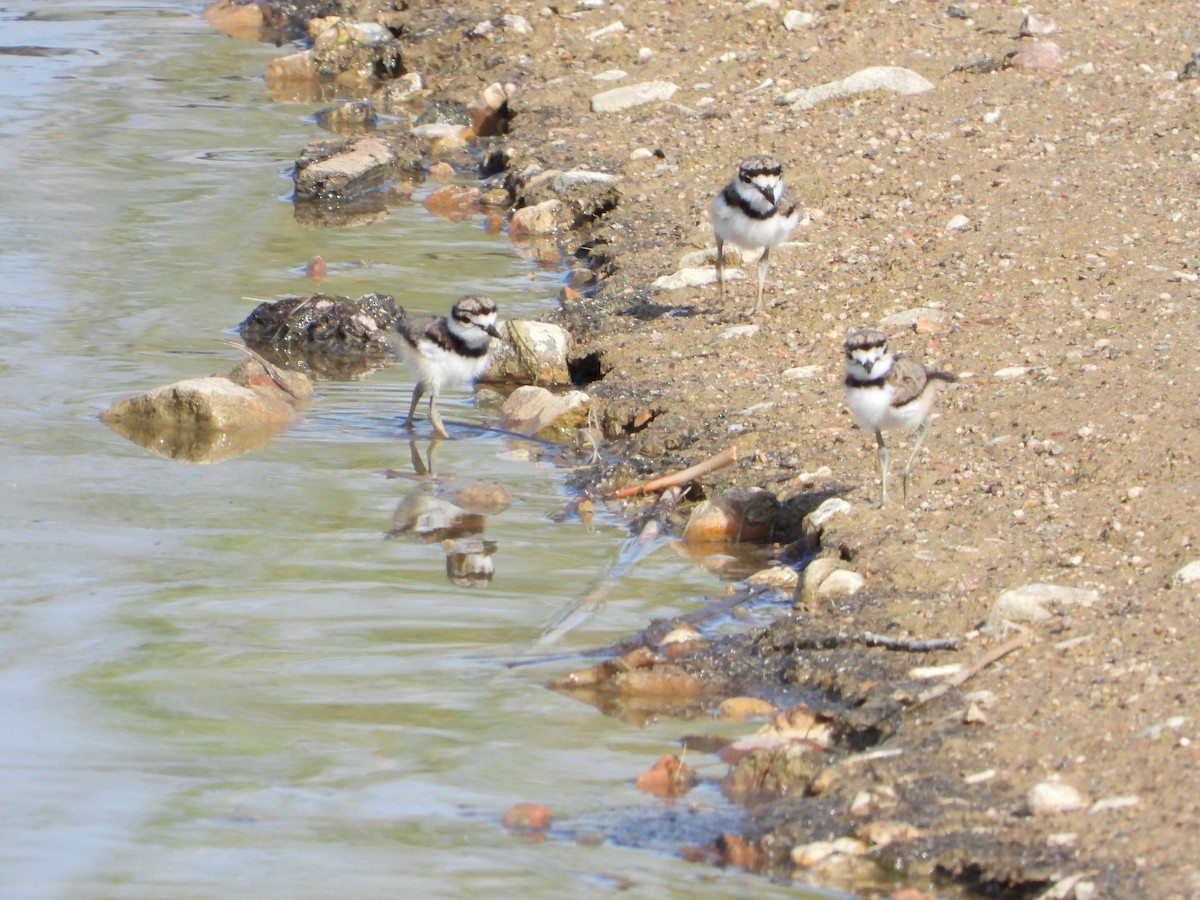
(528, 817)
(742, 514)
(668, 777)
(456, 202)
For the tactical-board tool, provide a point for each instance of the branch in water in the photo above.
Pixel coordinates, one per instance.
(721, 460)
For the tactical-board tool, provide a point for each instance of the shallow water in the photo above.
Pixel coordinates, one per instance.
(225, 680)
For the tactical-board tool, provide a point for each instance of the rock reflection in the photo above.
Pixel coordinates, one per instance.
(453, 513)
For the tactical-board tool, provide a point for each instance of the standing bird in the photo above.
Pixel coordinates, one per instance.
(749, 212)
(888, 392)
(447, 351)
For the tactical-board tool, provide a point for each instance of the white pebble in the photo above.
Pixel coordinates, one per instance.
(1050, 797)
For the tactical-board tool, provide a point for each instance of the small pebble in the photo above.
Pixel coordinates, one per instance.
(1049, 797)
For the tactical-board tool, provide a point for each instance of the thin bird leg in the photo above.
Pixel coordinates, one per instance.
(762, 277)
(720, 270)
(412, 408)
(435, 418)
(922, 430)
(881, 451)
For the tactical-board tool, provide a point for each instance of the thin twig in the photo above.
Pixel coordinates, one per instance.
(830, 641)
(958, 678)
(726, 457)
(268, 367)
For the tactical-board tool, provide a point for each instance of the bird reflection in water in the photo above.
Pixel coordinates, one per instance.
(453, 513)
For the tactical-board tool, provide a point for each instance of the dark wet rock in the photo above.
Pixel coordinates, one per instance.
(348, 117)
(213, 418)
(333, 337)
(325, 323)
(340, 169)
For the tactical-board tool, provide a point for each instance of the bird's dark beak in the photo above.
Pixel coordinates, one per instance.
(769, 193)
(491, 329)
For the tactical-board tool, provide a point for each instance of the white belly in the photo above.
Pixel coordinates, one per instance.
(872, 409)
(438, 369)
(732, 225)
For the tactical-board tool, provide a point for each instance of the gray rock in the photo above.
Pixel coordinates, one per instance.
(876, 78)
(531, 353)
(629, 96)
(832, 507)
(339, 169)
(1028, 603)
(1036, 26)
(738, 331)
(794, 20)
(840, 583)
(811, 578)
(516, 24)
(692, 277)
(530, 409)
(910, 317)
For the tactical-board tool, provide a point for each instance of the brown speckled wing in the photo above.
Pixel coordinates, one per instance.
(908, 378)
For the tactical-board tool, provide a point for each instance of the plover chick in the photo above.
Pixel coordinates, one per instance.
(888, 392)
(447, 351)
(750, 212)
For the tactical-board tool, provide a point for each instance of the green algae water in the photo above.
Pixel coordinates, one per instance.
(227, 680)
